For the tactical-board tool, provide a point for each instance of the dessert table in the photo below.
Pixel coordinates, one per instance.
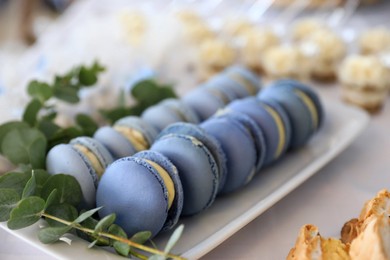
(328, 199)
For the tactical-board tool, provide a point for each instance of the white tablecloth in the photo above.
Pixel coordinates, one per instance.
(328, 199)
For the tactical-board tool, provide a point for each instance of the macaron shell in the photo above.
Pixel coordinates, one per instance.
(208, 140)
(197, 170)
(160, 116)
(239, 148)
(115, 142)
(225, 82)
(244, 76)
(183, 110)
(298, 113)
(133, 190)
(135, 122)
(63, 158)
(177, 206)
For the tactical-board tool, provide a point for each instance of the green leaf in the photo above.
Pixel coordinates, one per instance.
(120, 247)
(86, 215)
(30, 114)
(104, 223)
(25, 146)
(68, 188)
(41, 176)
(87, 124)
(67, 93)
(9, 199)
(141, 237)
(7, 127)
(157, 257)
(92, 244)
(52, 199)
(174, 238)
(87, 77)
(15, 181)
(29, 189)
(39, 90)
(28, 211)
(117, 113)
(48, 128)
(51, 235)
(64, 135)
(63, 211)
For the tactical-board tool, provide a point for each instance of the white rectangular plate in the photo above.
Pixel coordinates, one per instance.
(230, 213)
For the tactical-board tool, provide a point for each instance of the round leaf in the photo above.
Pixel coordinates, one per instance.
(39, 90)
(104, 223)
(68, 188)
(87, 77)
(5, 128)
(51, 235)
(63, 211)
(31, 112)
(28, 211)
(9, 199)
(15, 181)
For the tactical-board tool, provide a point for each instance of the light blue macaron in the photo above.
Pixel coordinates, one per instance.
(198, 170)
(245, 77)
(84, 158)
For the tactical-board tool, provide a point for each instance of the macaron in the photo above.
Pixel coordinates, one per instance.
(299, 114)
(198, 170)
(84, 158)
(167, 112)
(141, 192)
(208, 140)
(239, 148)
(204, 101)
(255, 131)
(273, 122)
(127, 136)
(235, 87)
(245, 77)
(308, 95)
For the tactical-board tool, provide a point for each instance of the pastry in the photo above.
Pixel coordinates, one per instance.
(364, 82)
(85, 159)
(191, 156)
(306, 27)
(127, 136)
(325, 50)
(123, 187)
(374, 41)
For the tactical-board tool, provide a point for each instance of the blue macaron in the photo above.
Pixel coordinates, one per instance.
(223, 81)
(127, 136)
(197, 169)
(274, 123)
(245, 77)
(299, 114)
(84, 158)
(140, 192)
(239, 148)
(208, 140)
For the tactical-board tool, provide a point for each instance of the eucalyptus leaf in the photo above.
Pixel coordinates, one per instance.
(141, 237)
(41, 176)
(51, 235)
(27, 212)
(48, 128)
(63, 211)
(174, 238)
(15, 181)
(25, 146)
(87, 124)
(104, 223)
(68, 188)
(9, 199)
(92, 244)
(87, 77)
(6, 127)
(64, 135)
(67, 93)
(52, 199)
(40, 90)
(31, 112)
(157, 257)
(29, 189)
(86, 215)
(120, 247)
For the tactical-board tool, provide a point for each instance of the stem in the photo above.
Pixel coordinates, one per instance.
(108, 235)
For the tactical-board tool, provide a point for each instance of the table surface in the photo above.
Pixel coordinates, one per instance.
(328, 199)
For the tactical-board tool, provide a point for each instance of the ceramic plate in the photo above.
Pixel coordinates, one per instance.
(230, 213)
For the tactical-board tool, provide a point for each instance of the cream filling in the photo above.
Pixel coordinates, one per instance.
(247, 85)
(281, 130)
(309, 104)
(167, 181)
(135, 137)
(95, 163)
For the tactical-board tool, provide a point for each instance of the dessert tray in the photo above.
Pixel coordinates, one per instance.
(230, 213)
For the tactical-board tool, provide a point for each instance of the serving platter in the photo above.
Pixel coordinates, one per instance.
(230, 213)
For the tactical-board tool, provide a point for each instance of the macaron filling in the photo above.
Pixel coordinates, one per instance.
(166, 179)
(310, 105)
(136, 138)
(281, 130)
(95, 163)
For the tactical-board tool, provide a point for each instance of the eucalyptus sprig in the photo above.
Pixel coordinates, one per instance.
(26, 197)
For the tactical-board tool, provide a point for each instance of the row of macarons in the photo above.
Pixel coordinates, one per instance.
(189, 164)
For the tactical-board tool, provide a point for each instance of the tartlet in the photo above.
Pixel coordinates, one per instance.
(364, 82)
